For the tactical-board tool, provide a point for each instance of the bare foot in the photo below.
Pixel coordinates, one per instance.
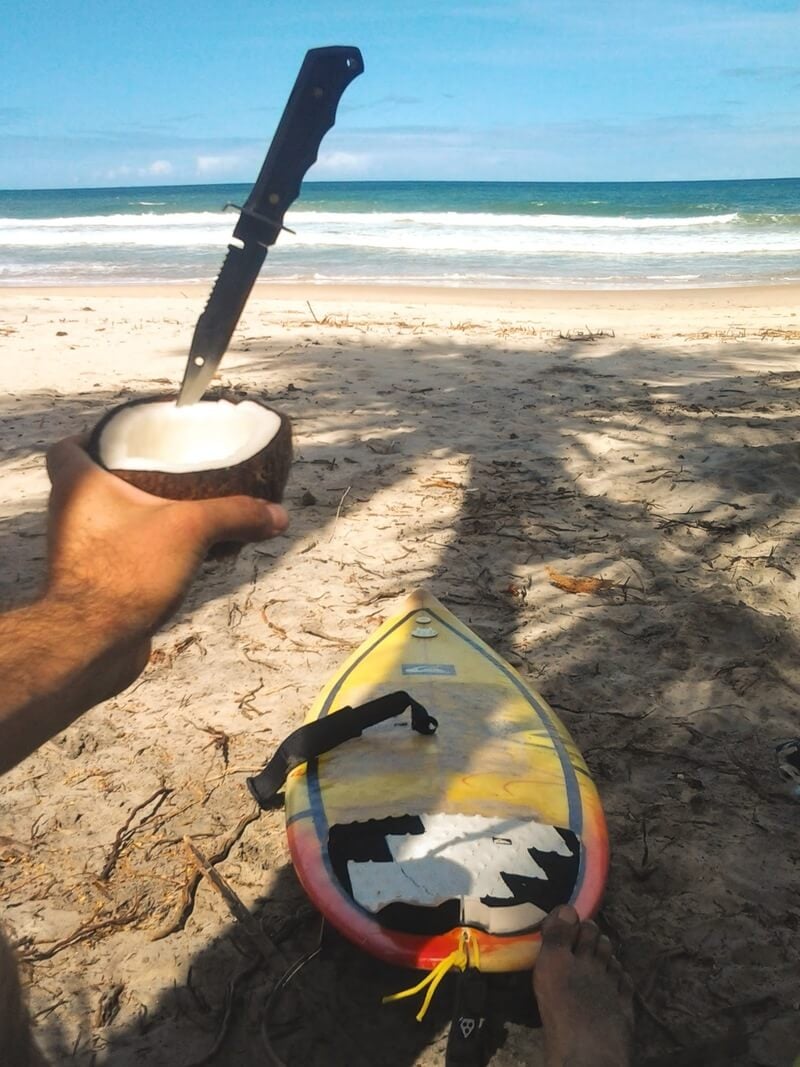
(585, 1000)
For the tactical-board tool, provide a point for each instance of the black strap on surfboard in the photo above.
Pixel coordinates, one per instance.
(321, 735)
(468, 1040)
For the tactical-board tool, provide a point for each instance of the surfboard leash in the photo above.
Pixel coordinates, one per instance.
(273, 1059)
(468, 1037)
(466, 955)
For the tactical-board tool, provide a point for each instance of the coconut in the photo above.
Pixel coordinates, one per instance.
(215, 447)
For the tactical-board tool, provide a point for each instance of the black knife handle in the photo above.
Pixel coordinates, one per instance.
(309, 114)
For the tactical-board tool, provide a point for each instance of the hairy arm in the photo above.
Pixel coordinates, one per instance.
(119, 563)
(57, 661)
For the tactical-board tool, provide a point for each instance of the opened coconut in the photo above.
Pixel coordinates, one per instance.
(212, 448)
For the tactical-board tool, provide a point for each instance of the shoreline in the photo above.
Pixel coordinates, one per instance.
(749, 296)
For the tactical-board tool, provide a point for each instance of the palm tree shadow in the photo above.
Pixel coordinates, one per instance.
(674, 750)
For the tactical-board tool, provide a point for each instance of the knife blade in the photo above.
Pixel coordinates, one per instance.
(309, 113)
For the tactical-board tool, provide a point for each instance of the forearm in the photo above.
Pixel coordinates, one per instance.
(119, 564)
(58, 658)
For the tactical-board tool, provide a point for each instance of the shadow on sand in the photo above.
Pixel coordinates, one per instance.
(675, 682)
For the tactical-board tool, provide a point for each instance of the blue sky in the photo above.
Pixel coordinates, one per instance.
(171, 92)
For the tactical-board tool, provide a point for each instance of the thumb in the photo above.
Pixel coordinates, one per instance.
(67, 460)
(239, 518)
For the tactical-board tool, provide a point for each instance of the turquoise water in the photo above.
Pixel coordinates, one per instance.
(520, 234)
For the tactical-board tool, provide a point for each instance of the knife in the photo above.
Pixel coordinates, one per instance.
(309, 114)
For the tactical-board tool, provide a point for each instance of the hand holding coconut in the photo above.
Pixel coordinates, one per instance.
(119, 563)
(135, 552)
(170, 480)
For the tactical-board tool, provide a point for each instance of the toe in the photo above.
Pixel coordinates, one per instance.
(625, 985)
(615, 969)
(561, 927)
(620, 979)
(587, 939)
(603, 949)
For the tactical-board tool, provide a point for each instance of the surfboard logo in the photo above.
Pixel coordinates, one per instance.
(442, 669)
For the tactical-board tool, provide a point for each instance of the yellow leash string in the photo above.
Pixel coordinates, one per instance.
(466, 955)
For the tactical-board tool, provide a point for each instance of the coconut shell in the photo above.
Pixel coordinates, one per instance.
(263, 475)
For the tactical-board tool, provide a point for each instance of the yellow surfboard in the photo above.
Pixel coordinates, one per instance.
(412, 845)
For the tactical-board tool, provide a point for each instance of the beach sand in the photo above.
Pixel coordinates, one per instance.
(474, 442)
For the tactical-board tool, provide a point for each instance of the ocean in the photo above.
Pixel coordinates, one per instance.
(541, 235)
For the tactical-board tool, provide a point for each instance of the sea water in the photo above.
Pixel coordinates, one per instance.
(551, 235)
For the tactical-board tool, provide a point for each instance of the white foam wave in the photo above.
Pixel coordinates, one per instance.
(544, 221)
(530, 242)
(176, 230)
(416, 247)
(422, 233)
(141, 219)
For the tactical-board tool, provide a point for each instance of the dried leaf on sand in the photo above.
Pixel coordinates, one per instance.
(442, 483)
(579, 585)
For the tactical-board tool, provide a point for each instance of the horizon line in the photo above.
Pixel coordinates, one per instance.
(404, 181)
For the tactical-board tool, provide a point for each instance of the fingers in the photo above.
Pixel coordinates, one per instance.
(199, 524)
(68, 458)
(239, 518)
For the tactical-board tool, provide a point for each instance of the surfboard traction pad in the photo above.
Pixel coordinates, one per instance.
(431, 873)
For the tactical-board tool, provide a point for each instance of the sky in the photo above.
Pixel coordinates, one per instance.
(170, 92)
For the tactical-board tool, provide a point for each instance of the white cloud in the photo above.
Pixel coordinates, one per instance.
(340, 163)
(218, 164)
(115, 173)
(158, 167)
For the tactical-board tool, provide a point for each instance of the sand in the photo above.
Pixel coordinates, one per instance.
(474, 443)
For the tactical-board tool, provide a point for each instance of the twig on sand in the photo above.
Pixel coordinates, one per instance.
(246, 702)
(83, 933)
(189, 891)
(313, 316)
(584, 335)
(279, 630)
(125, 833)
(266, 948)
(338, 513)
(219, 739)
(340, 641)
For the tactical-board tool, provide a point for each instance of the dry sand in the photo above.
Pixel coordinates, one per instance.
(469, 442)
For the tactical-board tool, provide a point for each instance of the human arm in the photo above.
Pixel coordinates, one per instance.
(119, 563)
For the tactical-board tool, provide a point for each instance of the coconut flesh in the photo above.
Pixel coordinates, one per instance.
(208, 435)
(213, 447)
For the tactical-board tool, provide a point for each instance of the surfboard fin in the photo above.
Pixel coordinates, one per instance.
(468, 1040)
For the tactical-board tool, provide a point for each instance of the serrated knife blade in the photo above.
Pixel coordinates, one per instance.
(309, 113)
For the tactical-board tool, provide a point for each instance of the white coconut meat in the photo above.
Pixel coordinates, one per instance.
(209, 435)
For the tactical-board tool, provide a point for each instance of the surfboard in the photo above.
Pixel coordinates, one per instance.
(412, 845)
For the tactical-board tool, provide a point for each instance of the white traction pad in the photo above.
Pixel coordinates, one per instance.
(460, 857)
